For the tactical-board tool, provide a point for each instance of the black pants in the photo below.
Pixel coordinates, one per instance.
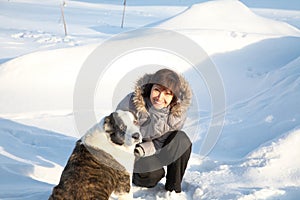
(176, 151)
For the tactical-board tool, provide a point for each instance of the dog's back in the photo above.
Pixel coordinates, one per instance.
(86, 178)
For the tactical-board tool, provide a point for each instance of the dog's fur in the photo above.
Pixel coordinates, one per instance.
(102, 161)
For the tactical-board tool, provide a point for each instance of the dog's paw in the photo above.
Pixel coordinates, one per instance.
(125, 196)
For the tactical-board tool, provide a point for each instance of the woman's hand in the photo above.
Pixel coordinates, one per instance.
(139, 151)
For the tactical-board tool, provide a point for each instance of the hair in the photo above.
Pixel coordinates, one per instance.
(166, 78)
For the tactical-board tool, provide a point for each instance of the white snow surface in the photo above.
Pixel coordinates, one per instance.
(254, 44)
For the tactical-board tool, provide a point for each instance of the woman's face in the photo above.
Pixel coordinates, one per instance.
(160, 96)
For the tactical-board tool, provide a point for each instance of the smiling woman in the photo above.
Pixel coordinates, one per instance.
(160, 102)
(165, 86)
(160, 96)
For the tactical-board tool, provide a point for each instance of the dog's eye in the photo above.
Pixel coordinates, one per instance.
(136, 136)
(123, 127)
(106, 120)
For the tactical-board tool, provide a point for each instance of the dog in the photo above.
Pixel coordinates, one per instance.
(102, 161)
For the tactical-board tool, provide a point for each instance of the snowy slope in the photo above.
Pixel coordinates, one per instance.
(253, 45)
(270, 110)
(234, 27)
(270, 172)
(31, 158)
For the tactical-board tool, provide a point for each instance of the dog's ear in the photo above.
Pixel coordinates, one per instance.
(114, 115)
(108, 123)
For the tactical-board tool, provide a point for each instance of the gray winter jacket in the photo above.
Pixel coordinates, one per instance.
(155, 124)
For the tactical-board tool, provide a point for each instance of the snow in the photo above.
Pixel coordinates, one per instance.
(254, 44)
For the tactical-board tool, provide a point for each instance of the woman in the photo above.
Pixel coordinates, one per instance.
(160, 102)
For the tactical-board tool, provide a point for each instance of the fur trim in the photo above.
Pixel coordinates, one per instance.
(184, 99)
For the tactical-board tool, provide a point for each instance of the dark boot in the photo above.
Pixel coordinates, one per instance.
(179, 146)
(175, 172)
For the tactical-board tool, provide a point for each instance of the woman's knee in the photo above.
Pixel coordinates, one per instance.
(178, 137)
(183, 138)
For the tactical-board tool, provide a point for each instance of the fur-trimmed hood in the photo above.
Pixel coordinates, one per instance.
(181, 106)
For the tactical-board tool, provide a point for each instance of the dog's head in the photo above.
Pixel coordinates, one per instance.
(122, 128)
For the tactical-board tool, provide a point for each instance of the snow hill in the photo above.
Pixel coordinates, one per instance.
(255, 46)
(31, 158)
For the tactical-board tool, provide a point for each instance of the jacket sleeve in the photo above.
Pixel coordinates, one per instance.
(148, 148)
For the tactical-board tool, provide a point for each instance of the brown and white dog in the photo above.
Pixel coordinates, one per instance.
(102, 161)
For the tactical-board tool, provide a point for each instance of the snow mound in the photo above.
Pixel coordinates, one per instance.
(277, 164)
(268, 109)
(232, 16)
(270, 171)
(44, 80)
(232, 28)
(31, 159)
